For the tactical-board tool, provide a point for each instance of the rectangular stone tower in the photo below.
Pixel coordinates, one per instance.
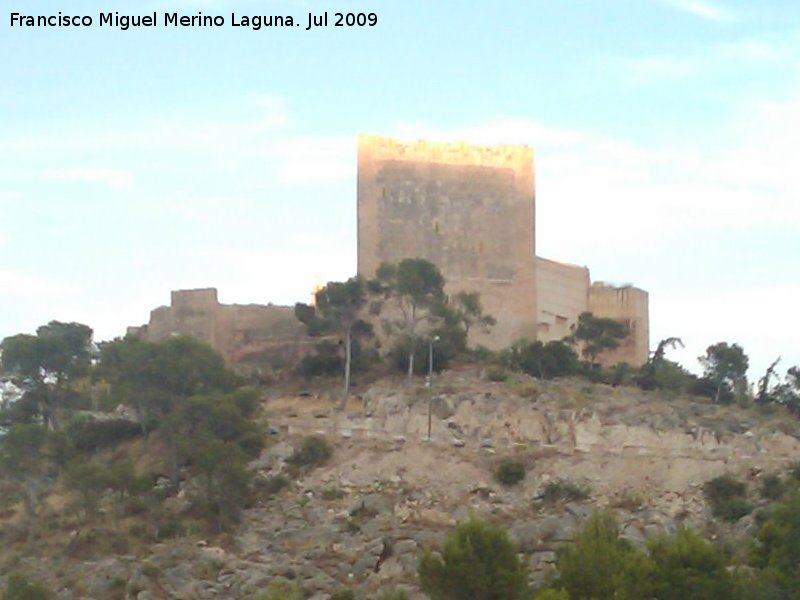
(468, 209)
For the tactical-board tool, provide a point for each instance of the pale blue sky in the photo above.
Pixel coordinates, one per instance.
(666, 134)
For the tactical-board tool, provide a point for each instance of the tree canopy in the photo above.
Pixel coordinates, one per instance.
(338, 310)
(477, 562)
(417, 288)
(597, 335)
(44, 363)
(725, 366)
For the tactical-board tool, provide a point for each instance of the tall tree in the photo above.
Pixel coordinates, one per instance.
(477, 562)
(339, 306)
(29, 456)
(469, 310)
(417, 287)
(652, 373)
(725, 365)
(215, 437)
(597, 335)
(599, 564)
(44, 363)
(764, 395)
(153, 377)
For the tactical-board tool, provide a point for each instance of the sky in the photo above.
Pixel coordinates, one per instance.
(665, 135)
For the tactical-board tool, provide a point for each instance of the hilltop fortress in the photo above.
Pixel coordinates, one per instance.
(470, 210)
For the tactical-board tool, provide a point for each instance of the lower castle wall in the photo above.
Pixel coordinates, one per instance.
(630, 305)
(563, 292)
(249, 337)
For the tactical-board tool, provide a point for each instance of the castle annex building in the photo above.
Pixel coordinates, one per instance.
(468, 209)
(471, 211)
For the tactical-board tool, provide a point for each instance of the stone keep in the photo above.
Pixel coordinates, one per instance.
(471, 211)
(468, 209)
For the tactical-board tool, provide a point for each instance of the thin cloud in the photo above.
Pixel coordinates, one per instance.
(651, 69)
(705, 10)
(17, 284)
(116, 179)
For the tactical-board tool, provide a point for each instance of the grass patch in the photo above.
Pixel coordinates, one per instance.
(563, 490)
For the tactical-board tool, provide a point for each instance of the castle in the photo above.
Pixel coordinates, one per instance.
(471, 210)
(468, 209)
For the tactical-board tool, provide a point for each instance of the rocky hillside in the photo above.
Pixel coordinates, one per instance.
(361, 519)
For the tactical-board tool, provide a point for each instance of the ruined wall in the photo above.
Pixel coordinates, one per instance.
(563, 296)
(249, 337)
(191, 312)
(468, 209)
(630, 305)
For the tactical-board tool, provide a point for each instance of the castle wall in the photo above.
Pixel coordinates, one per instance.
(563, 296)
(468, 209)
(249, 337)
(191, 312)
(630, 305)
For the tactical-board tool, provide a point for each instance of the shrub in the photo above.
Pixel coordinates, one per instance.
(549, 594)
(772, 487)
(496, 374)
(777, 549)
(281, 590)
(19, 587)
(477, 561)
(545, 361)
(272, 485)
(325, 361)
(90, 435)
(727, 497)
(509, 472)
(332, 493)
(313, 452)
(444, 351)
(345, 594)
(392, 595)
(599, 564)
(565, 490)
(664, 375)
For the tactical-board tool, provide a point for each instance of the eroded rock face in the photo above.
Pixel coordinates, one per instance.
(363, 518)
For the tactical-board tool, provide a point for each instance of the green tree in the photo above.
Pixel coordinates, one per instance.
(89, 479)
(154, 377)
(224, 480)
(725, 366)
(478, 562)
(213, 435)
(777, 552)
(468, 309)
(29, 456)
(788, 392)
(121, 478)
(686, 567)
(44, 363)
(159, 378)
(542, 360)
(338, 308)
(660, 373)
(599, 565)
(765, 391)
(727, 497)
(597, 335)
(417, 288)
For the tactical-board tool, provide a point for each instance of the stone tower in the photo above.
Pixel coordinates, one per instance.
(468, 209)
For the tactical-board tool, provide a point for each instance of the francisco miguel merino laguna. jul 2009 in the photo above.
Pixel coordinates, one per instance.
(255, 22)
